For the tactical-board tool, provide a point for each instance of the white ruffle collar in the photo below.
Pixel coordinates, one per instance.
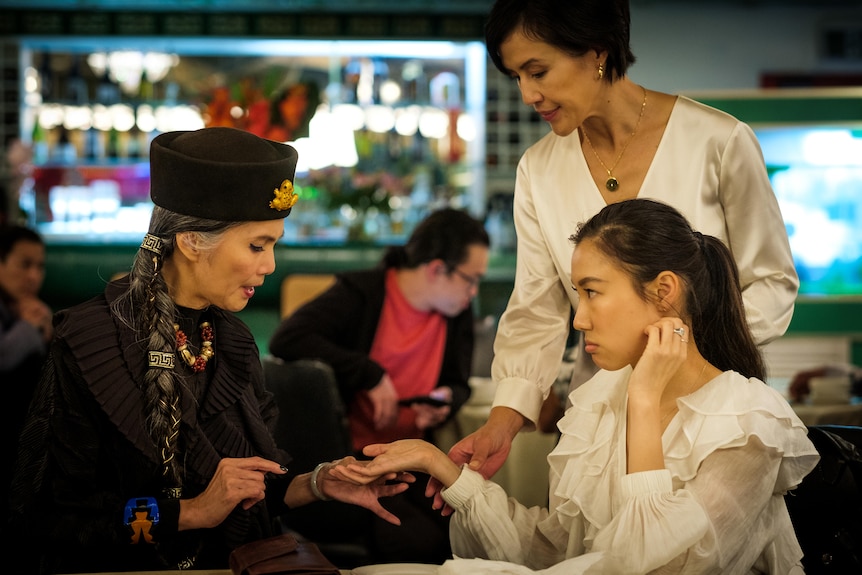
(587, 465)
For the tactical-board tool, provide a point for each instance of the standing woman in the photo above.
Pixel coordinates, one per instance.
(149, 443)
(611, 140)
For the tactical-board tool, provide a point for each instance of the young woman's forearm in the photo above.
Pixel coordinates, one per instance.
(443, 469)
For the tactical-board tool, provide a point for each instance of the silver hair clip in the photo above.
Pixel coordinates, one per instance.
(161, 359)
(152, 243)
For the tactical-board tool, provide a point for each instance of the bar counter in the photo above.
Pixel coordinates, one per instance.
(78, 270)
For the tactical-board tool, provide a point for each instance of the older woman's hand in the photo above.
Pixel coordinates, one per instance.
(338, 482)
(235, 482)
(392, 459)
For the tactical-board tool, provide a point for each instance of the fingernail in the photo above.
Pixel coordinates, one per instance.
(283, 468)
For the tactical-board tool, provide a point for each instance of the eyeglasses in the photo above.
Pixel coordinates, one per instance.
(471, 281)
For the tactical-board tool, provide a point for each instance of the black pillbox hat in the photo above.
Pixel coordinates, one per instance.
(222, 174)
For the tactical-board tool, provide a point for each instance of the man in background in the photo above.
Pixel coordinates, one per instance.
(399, 338)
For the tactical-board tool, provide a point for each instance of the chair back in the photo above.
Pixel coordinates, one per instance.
(312, 423)
(312, 427)
(826, 508)
(296, 289)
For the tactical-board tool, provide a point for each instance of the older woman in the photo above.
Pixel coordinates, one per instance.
(149, 444)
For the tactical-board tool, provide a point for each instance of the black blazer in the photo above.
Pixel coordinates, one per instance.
(338, 328)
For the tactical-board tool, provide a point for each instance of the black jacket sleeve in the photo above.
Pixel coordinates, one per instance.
(338, 328)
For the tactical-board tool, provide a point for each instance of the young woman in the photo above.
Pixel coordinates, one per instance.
(149, 444)
(675, 456)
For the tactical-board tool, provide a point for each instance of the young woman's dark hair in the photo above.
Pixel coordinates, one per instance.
(645, 238)
(446, 235)
(573, 26)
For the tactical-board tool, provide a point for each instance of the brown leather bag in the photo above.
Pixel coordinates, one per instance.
(280, 555)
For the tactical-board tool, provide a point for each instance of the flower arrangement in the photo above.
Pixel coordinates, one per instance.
(359, 190)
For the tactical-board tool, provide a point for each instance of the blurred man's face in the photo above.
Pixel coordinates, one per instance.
(23, 270)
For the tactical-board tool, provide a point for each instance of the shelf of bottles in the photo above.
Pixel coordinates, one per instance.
(386, 131)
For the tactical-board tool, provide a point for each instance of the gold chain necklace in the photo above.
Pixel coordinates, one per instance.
(687, 391)
(612, 184)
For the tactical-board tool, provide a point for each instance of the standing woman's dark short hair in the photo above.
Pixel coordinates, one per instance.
(646, 237)
(573, 26)
(446, 235)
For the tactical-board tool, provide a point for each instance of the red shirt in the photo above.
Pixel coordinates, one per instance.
(409, 345)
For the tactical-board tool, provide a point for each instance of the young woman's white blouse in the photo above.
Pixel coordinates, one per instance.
(731, 453)
(708, 166)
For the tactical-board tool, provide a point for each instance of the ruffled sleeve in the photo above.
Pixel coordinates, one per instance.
(490, 525)
(731, 453)
(729, 412)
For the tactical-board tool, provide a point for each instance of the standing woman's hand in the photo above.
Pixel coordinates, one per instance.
(485, 450)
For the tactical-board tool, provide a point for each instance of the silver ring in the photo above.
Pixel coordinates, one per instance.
(680, 331)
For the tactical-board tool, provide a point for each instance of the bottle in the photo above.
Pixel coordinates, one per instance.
(112, 150)
(64, 152)
(93, 147)
(133, 149)
(40, 144)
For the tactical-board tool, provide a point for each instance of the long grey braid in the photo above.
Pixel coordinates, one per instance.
(148, 309)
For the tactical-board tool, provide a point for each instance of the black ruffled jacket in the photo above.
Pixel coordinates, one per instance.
(84, 451)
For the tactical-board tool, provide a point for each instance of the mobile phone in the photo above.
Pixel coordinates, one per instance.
(424, 399)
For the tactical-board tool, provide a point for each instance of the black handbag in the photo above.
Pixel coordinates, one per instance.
(280, 555)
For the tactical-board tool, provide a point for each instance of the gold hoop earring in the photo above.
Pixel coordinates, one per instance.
(601, 71)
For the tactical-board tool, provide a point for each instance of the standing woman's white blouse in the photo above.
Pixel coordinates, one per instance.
(708, 166)
(731, 453)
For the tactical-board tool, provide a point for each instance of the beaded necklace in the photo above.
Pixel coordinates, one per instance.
(198, 363)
